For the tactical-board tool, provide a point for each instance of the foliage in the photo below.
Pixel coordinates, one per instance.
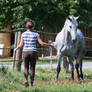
(48, 14)
(11, 12)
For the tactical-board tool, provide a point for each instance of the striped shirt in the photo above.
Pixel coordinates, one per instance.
(30, 40)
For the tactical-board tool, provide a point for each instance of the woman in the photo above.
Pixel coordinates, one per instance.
(28, 41)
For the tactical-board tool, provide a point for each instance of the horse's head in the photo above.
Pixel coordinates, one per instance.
(72, 25)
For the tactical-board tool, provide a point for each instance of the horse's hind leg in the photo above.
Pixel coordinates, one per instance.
(81, 73)
(58, 66)
(77, 69)
(65, 64)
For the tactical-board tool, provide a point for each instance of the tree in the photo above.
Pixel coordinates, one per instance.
(11, 12)
(83, 9)
(48, 14)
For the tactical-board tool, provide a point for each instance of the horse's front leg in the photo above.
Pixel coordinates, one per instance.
(76, 67)
(58, 66)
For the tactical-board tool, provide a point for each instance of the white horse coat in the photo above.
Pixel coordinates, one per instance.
(70, 42)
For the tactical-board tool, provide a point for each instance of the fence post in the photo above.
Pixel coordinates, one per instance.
(17, 57)
(50, 49)
(14, 53)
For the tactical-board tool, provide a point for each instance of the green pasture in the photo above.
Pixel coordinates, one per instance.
(39, 61)
(11, 81)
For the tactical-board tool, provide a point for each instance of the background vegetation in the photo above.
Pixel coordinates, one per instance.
(48, 14)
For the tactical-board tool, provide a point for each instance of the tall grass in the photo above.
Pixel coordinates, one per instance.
(11, 81)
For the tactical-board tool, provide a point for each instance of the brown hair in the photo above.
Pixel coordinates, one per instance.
(30, 24)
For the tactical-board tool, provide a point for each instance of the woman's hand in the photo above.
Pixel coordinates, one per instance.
(52, 45)
(15, 49)
(43, 43)
(20, 45)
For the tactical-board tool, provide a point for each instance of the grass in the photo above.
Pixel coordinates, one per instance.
(39, 61)
(87, 60)
(11, 81)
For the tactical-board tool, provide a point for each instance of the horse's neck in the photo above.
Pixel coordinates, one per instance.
(65, 33)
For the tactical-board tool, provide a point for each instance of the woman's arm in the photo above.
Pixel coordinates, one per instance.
(20, 44)
(43, 43)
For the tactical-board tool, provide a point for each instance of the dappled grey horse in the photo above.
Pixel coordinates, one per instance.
(70, 42)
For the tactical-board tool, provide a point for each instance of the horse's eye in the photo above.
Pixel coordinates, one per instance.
(70, 26)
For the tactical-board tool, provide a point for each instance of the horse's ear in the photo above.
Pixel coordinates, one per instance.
(77, 17)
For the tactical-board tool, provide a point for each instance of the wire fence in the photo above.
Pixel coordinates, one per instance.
(43, 52)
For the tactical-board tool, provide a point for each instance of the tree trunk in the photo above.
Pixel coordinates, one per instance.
(17, 56)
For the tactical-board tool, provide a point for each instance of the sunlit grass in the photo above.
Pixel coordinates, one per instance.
(11, 81)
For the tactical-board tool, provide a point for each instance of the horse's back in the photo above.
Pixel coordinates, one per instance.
(81, 38)
(80, 43)
(79, 33)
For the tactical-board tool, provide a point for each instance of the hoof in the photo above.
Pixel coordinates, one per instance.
(72, 79)
(31, 85)
(81, 80)
(56, 81)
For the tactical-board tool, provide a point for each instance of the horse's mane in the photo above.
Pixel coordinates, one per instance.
(65, 32)
(65, 29)
(66, 24)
